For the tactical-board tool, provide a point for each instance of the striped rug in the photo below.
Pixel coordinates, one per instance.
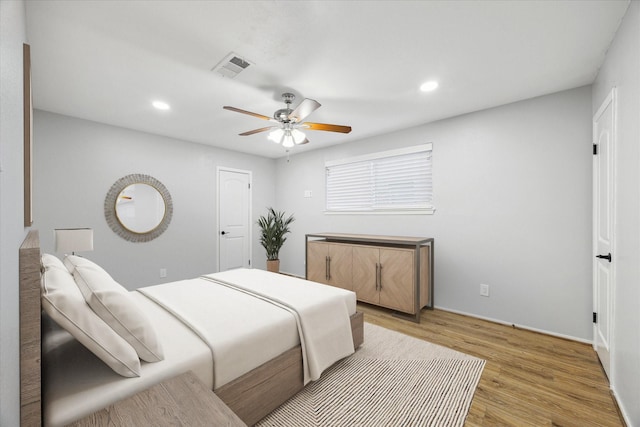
(392, 380)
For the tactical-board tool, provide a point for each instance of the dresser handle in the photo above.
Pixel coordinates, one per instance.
(326, 268)
(377, 276)
(329, 264)
(380, 276)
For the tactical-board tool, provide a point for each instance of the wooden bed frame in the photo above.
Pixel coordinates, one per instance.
(251, 396)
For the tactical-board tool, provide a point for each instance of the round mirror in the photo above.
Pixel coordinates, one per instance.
(138, 208)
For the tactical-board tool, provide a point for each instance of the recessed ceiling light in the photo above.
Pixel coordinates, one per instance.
(429, 86)
(160, 105)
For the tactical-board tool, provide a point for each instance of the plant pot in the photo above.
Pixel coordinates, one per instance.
(273, 265)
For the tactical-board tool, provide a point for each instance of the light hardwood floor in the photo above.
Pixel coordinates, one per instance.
(530, 379)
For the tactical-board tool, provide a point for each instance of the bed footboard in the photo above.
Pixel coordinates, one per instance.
(260, 391)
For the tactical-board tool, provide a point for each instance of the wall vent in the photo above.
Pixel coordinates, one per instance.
(231, 65)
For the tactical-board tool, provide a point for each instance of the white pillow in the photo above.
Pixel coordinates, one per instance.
(63, 302)
(114, 305)
(51, 261)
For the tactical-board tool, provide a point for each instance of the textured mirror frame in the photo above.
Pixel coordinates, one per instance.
(110, 208)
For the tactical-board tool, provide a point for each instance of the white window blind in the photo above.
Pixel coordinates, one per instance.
(390, 181)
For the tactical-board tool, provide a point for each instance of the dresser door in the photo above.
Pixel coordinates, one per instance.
(365, 278)
(317, 253)
(397, 279)
(340, 261)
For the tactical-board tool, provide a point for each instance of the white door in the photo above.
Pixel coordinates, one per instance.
(603, 231)
(234, 219)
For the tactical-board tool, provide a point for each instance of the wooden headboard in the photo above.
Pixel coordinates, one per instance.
(30, 334)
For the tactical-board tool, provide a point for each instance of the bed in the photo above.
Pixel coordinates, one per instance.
(279, 339)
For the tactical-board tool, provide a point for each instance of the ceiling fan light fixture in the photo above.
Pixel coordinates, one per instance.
(276, 135)
(298, 137)
(288, 141)
(287, 137)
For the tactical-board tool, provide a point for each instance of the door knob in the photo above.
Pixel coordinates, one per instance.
(607, 256)
(223, 233)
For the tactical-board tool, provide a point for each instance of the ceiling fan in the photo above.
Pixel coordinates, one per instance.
(287, 131)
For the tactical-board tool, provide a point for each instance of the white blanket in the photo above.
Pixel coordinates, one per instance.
(322, 313)
(241, 332)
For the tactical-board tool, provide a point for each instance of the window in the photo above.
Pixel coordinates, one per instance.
(396, 181)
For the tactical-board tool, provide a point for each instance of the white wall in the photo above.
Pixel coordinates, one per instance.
(12, 232)
(512, 188)
(76, 162)
(622, 70)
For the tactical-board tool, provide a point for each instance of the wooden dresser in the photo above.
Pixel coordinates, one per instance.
(390, 271)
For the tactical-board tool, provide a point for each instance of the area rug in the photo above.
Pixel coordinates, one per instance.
(392, 380)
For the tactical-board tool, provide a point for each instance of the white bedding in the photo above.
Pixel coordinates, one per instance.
(264, 315)
(243, 332)
(76, 383)
(230, 332)
(322, 313)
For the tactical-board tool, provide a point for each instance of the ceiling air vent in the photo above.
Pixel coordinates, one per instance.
(231, 66)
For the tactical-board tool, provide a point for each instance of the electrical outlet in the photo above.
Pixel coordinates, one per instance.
(307, 193)
(484, 290)
(163, 272)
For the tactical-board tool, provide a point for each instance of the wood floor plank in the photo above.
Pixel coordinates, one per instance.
(530, 379)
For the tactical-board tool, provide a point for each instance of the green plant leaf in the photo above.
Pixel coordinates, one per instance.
(273, 229)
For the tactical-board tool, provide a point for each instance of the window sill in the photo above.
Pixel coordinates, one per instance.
(390, 212)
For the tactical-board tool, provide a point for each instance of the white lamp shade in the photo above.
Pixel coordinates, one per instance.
(287, 137)
(276, 135)
(74, 239)
(298, 137)
(288, 140)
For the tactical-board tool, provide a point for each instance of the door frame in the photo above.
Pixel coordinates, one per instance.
(610, 99)
(250, 231)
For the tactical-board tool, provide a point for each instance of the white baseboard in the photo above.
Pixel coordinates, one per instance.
(502, 322)
(528, 328)
(291, 274)
(621, 409)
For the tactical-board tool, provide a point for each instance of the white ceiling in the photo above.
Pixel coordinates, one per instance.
(362, 60)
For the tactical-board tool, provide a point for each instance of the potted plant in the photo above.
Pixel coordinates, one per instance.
(273, 229)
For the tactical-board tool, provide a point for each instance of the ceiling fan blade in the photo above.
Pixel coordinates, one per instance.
(237, 110)
(251, 132)
(306, 107)
(326, 127)
(306, 141)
